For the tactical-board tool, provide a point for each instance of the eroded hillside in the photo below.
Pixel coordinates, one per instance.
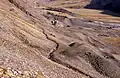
(42, 39)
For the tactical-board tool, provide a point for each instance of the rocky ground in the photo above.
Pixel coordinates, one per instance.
(41, 39)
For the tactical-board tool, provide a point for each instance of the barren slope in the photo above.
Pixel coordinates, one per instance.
(53, 41)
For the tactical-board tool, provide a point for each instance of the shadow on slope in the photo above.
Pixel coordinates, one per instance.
(109, 7)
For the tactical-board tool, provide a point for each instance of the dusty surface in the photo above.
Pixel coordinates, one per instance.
(41, 41)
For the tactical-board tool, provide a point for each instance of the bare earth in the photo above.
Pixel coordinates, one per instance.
(57, 39)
